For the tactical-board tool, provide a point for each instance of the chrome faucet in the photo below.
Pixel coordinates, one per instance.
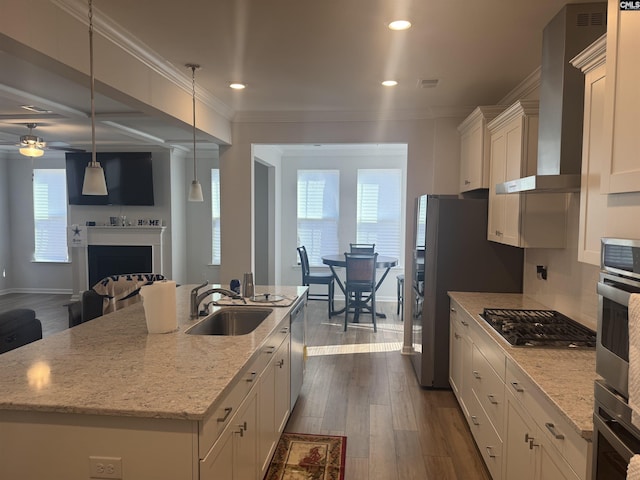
(197, 298)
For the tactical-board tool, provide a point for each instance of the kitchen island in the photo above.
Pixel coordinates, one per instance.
(107, 389)
(530, 409)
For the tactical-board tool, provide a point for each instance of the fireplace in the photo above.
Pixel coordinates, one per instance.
(119, 250)
(105, 260)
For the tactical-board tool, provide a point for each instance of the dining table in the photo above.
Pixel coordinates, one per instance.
(338, 261)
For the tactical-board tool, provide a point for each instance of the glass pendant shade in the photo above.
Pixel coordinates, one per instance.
(94, 183)
(31, 151)
(195, 192)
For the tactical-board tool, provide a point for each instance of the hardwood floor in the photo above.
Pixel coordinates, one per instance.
(50, 309)
(356, 384)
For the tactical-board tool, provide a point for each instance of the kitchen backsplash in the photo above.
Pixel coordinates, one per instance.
(570, 287)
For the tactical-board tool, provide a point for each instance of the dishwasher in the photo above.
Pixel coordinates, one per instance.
(297, 349)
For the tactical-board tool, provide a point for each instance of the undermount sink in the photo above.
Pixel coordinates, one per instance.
(231, 321)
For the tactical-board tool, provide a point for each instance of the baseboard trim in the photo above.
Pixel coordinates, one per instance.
(47, 291)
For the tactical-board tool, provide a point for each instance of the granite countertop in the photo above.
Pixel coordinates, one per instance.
(566, 376)
(112, 366)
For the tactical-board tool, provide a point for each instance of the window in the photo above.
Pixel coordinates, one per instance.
(379, 209)
(318, 200)
(215, 216)
(50, 215)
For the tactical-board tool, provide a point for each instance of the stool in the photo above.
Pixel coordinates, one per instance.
(400, 288)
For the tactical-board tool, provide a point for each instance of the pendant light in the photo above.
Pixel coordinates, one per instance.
(94, 181)
(195, 192)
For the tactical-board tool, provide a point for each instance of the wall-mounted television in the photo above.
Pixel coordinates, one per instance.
(129, 178)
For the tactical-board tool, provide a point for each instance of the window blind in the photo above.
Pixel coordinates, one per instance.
(50, 215)
(215, 216)
(318, 212)
(379, 209)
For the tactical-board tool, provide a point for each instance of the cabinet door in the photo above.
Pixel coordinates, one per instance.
(551, 468)
(495, 226)
(282, 398)
(266, 416)
(472, 164)
(218, 464)
(593, 205)
(520, 453)
(514, 158)
(245, 440)
(621, 172)
(455, 359)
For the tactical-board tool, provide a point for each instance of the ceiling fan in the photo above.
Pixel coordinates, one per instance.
(33, 146)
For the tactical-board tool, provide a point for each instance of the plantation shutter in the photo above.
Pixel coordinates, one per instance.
(379, 209)
(50, 215)
(318, 200)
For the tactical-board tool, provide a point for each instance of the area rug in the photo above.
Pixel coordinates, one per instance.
(308, 457)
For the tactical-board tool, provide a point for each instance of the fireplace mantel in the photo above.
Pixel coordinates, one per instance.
(113, 235)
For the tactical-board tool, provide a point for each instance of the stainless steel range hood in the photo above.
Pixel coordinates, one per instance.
(573, 29)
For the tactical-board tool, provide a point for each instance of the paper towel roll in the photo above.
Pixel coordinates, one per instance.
(159, 302)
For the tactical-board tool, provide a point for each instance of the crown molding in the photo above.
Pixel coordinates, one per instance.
(593, 56)
(524, 89)
(120, 37)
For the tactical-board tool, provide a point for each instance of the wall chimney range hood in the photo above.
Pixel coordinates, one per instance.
(561, 112)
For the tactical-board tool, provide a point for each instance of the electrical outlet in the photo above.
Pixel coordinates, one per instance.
(105, 467)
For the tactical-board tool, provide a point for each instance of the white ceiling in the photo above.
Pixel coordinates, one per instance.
(296, 56)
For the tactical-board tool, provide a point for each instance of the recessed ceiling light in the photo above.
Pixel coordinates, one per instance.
(400, 25)
(389, 83)
(237, 86)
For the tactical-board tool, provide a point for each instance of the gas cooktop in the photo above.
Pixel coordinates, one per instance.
(539, 328)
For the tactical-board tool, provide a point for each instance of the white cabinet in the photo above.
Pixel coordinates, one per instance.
(593, 205)
(621, 169)
(559, 451)
(273, 409)
(460, 349)
(479, 388)
(475, 148)
(518, 431)
(238, 439)
(233, 456)
(520, 219)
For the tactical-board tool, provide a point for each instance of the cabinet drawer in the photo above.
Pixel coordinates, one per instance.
(487, 439)
(555, 428)
(492, 352)
(488, 387)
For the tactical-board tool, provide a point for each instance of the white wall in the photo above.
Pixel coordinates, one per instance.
(25, 275)
(347, 162)
(430, 142)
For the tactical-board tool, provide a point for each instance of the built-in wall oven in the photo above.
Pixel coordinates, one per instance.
(616, 435)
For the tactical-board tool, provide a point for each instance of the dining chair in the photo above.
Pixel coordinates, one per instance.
(362, 247)
(317, 278)
(360, 282)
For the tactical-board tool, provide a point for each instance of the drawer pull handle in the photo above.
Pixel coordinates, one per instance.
(285, 330)
(227, 412)
(492, 399)
(466, 324)
(474, 420)
(270, 350)
(252, 377)
(552, 428)
(243, 428)
(528, 438)
(457, 337)
(517, 387)
(477, 375)
(490, 452)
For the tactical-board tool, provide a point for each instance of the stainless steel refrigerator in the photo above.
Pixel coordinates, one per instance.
(452, 254)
